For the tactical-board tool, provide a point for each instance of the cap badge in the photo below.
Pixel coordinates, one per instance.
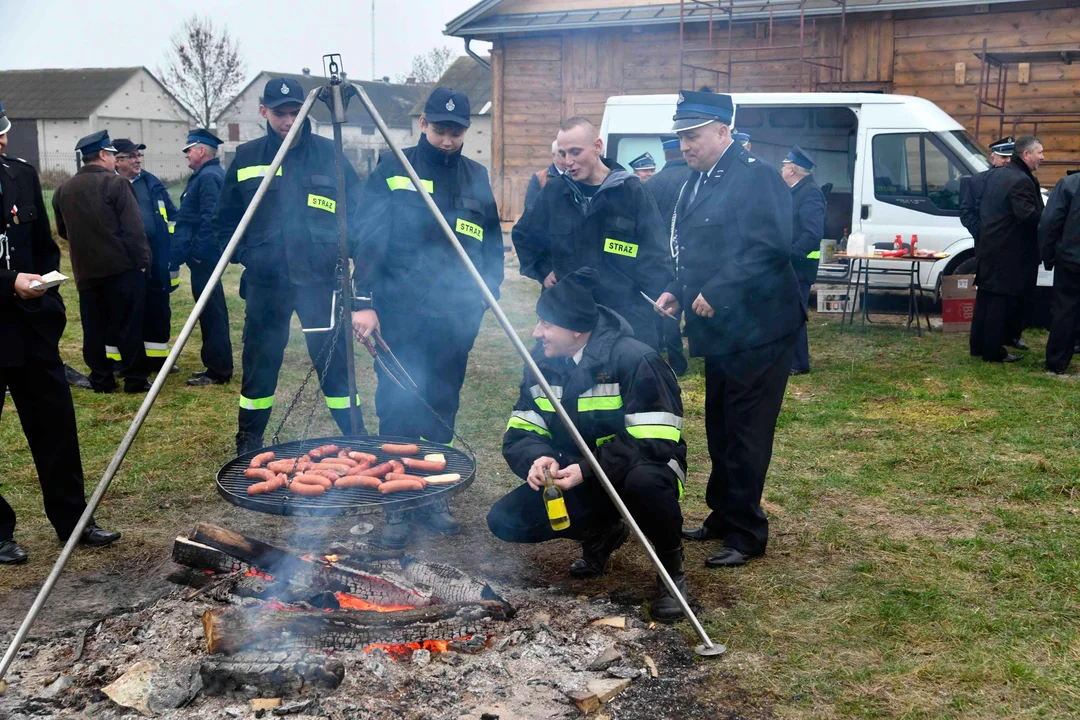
(681, 99)
(284, 89)
(450, 105)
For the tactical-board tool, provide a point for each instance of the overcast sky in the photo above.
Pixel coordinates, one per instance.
(273, 35)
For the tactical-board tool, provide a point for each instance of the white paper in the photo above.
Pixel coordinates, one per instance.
(51, 280)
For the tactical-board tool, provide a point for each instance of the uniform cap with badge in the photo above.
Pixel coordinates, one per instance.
(644, 161)
(123, 145)
(799, 157)
(1003, 147)
(741, 138)
(94, 143)
(673, 144)
(446, 105)
(698, 109)
(199, 136)
(279, 91)
(5, 123)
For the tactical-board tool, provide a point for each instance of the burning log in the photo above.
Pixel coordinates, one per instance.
(231, 630)
(271, 674)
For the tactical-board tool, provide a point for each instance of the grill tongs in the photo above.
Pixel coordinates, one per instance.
(384, 356)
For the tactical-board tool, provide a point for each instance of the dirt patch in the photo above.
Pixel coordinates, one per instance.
(875, 516)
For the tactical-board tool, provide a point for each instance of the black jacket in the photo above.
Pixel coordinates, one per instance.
(1059, 228)
(734, 249)
(406, 263)
(293, 236)
(194, 236)
(159, 234)
(807, 228)
(1008, 230)
(529, 260)
(665, 186)
(618, 232)
(30, 249)
(532, 190)
(622, 397)
(971, 191)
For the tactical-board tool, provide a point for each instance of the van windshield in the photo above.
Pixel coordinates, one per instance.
(969, 150)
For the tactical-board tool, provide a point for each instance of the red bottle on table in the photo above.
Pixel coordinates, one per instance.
(898, 244)
(914, 239)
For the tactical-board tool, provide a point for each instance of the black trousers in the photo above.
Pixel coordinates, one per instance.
(112, 322)
(670, 335)
(268, 313)
(650, 492)
(1064, 314)
(642, 319)
(435, 353)
(994, 321)
(801, 361)
(157, 325)
(43, 401)
(740, 420)
(217, 355)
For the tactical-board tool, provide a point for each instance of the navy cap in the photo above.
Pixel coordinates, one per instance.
(448, 105)
(123, 145)
(1004, 146)
(672, 144)
(644, 161)
(5, 124)
(740, 137)
(279, 91)
(800, 158)
(696, 109)
(94, 143)
(204, 137)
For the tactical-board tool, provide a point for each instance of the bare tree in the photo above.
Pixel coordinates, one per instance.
(203, 68)
(429, 67)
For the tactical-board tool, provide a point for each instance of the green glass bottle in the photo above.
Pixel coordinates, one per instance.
(555, 503)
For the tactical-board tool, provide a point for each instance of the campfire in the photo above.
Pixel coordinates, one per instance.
(275, 599)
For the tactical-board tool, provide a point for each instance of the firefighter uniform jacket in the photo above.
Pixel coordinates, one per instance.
(1009, 216)
(405, 263)
(622, 396)
(807, 228)
(29, 248)
(194, 236)
(1059, 227)
(159, 237)
(293, 236)
(971, 190)
(734, 245)
(665, 186)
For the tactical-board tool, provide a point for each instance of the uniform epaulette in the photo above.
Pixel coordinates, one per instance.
(16, 159)
(749, 159)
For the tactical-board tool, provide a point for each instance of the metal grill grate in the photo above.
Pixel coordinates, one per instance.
(232, 485)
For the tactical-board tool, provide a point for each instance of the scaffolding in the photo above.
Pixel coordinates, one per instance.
(993, 89)
(690, 67)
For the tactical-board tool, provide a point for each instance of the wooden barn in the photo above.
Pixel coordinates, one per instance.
(998, 67)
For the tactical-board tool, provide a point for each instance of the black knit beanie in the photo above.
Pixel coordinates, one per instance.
(569, 303)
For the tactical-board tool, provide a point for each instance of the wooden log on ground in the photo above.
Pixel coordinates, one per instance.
(203, 557)
(271, 674)
(446, 583)
(231, 630)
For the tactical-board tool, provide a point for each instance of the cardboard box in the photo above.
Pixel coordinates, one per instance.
(833, 298)
(957, 302)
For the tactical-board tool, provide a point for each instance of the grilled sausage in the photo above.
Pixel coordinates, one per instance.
(323, 451)
(328, 473)
(358, 470)
(289, 466)
(266, 486)
(362, 456)
(264, 474)
(425, 465)
(398, 467)
(337, 459)
(319, 480)
(304, 489)
(358, 481)
(341, 469)
(400, 449)
(400, 486)
(448, 479)
(261, 459)
(391, 477)
(377, 471)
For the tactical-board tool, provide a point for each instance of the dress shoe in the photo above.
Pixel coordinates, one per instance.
(136, 387)
(728, 557)
(97, 537)
(1011, 358)
(597, 549)
(395, 534)
(105, 389)
(173, 370)
(75, 378)
(198, 374)
(11, 553)
(437, 518)
(246, 442)
(793, 371)
(665, 606)
(1019, 344)
(700, 533)
(205, 379)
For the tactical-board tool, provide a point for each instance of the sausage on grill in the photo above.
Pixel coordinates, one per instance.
(400, 486)
(328, 473)
(261, 459)
(358, 481)
(264, 474)
(339, 460)
(290, 465)
(301, 488)
(377, 471)
(362, 456)
(425, 465)
(323, 451)
(319, 480)
(391, 477)
(267, 485)
(401, 448)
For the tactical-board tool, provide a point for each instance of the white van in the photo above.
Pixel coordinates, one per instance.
(890, 164)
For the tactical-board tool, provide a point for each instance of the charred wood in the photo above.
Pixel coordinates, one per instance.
(271, 674)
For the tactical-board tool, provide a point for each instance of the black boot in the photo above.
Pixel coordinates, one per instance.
(437, 518)
(597, 549)
(665, 607)
(395, 535)
(246, 442)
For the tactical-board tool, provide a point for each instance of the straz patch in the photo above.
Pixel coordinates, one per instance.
(323, 203)
(472, 230)
(618, 247)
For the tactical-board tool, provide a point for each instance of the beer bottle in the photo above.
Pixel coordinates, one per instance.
(555, 503)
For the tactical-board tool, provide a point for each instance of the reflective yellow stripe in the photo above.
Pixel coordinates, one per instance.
(254, 171)
(341, 403)
(113, 356)
(156, 350)
(112, 352)
(618, 247)
(545, 404)
(680, 489)
(174, 279)
(516, 422)
(323, 203)
(655, 432)
(471, 229)
(400, 182)
(256, 403)
(605, 439)
(165, 215)
(816, 255)
(599, 403)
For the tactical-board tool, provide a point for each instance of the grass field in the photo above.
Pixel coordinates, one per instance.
(924, 559)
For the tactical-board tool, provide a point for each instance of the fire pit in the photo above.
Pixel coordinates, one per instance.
(233, 485)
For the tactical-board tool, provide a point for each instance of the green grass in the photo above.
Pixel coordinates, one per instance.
(924, 559)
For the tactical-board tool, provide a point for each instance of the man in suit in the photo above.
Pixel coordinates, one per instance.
(734, 276)
(807, 229)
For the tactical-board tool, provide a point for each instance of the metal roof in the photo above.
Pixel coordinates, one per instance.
(476, 22)
(471, 78)
(57, 94)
